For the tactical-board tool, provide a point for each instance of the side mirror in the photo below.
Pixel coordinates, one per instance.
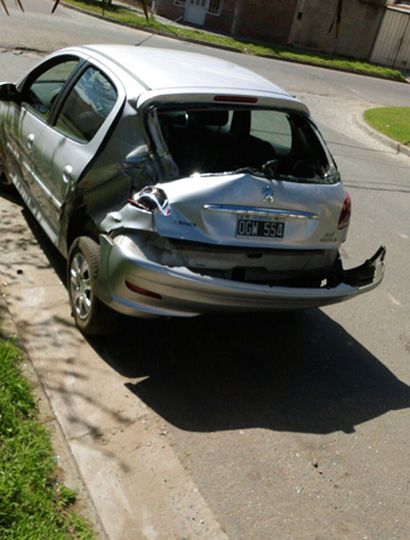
(9, 92)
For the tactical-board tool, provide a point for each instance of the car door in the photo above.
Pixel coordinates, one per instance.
(27, 120)
(74, 136)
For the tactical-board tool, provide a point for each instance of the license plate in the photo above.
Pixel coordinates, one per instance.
(254, 227)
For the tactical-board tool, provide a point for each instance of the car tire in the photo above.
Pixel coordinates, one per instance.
(91, 315)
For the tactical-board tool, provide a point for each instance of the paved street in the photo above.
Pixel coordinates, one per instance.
(286, 426)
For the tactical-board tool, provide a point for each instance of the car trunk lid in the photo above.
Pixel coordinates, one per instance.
(246, 210)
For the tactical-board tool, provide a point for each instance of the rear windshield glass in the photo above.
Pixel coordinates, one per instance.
(224, 140)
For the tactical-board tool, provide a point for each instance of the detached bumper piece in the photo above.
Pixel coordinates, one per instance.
(366, 273)
(133, 285)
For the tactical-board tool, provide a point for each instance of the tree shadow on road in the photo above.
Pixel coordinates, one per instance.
(298, 372)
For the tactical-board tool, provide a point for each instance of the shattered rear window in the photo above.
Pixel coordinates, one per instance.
(215, 140)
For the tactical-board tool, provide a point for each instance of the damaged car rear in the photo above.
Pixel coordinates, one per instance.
(190, 186)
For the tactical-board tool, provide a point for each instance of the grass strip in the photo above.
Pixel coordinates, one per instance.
(125, 15)
(33, 503)
(391, 121)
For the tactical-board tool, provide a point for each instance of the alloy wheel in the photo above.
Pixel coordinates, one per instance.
(80, 284)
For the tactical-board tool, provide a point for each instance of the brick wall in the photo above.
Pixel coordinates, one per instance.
(215, 23)
(223, 22)
(166, 8)
(269, 20)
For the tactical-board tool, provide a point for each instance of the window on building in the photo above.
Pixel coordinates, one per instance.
(215, 7)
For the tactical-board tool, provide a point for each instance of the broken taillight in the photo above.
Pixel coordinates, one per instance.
(345, 213)
(151, 199)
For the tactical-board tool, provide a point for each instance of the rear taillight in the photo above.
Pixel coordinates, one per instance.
(345, 213)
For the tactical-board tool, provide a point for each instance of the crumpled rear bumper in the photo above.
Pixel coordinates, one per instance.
(181, 292)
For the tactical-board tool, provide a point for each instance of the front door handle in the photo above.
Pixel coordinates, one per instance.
(67, 174)
(30, 141)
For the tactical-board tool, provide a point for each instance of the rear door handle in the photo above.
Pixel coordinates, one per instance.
(67, 174)
(30, 141)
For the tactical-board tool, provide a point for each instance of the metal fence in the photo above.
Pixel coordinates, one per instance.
(392, 46)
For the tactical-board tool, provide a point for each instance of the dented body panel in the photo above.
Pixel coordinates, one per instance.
(186, 293)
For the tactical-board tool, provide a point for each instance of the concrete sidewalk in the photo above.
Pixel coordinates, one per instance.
(114, 444)
(67, 467)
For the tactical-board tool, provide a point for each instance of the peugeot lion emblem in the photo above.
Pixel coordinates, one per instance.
(269, 198)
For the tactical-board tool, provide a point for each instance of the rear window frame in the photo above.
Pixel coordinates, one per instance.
(187, 106)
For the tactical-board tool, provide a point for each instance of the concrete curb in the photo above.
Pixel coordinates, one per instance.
(8, 329)
(387, 141)
(227, 47)
(64, 458)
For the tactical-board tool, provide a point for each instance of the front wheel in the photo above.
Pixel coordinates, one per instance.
(90, 314)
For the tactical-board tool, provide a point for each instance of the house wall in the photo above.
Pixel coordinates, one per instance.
(361, 20)
(223, 22)
(269, 20)
(304, 23)
(166, 8)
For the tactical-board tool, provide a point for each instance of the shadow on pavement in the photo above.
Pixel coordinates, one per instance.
(18, 243)
(56, 260)
(297, 372)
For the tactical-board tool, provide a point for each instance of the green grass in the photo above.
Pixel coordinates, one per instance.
(33, 504)
(125, 15)
(391, 121)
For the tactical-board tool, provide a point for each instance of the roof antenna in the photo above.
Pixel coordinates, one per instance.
(144, 40)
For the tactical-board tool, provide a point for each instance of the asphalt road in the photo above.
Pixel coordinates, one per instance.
(290, 426)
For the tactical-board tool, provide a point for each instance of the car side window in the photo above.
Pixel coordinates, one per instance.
(87, 105)
(42, 92)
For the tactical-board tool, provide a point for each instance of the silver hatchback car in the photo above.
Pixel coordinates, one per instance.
(177, 184)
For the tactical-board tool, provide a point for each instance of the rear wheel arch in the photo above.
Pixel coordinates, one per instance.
(80, 223)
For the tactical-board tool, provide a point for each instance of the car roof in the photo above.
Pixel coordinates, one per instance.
(160, 69)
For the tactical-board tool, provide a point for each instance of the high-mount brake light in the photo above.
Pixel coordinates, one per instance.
(345, 213)
(139, 290)
(236, 99)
